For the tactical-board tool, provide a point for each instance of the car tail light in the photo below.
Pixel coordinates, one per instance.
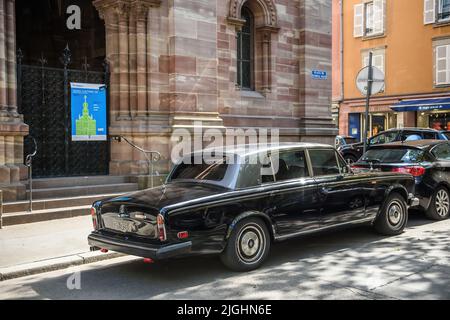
(94, 217)
(183, 235)
(416, 171)
(161, 228)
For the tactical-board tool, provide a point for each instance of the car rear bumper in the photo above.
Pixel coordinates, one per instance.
(155, 252)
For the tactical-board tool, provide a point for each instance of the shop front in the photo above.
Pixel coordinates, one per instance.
(378, 122)
(430, 113)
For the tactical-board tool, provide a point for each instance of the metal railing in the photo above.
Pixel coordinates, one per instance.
(29, 164)
(150, 156)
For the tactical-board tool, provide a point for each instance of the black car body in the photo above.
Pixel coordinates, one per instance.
(352, 152)
(429, 163)
(232, 207)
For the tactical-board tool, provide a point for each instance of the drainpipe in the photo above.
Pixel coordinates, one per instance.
(341, 39)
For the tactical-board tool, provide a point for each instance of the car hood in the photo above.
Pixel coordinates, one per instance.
(170, 194)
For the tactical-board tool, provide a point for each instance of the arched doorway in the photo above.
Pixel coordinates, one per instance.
(50, 57)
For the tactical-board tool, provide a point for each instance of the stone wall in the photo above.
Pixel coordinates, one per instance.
(12, 128)
(173, 62)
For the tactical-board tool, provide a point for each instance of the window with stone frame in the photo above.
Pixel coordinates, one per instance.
(245, 52)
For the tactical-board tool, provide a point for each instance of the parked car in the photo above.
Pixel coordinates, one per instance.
(231, 209)
(353, 152)
(429, 163)
(341, 141)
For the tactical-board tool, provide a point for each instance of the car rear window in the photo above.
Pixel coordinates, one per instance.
(391, 155)
(207, 172)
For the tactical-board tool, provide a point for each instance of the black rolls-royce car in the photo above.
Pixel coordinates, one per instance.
(234, 208)
(427, 160)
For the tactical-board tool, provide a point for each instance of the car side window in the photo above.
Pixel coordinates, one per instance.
(324, 162)
(442, 152)
(291, 165)
(429, 135)
(411, 136)
(384, 138)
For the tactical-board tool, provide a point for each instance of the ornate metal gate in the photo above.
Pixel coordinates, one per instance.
(44, 100)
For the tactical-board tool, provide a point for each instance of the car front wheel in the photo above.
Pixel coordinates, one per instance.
(393, 217)
(440, 205)
(248, 246)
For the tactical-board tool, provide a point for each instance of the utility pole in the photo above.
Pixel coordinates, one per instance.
(369, 93)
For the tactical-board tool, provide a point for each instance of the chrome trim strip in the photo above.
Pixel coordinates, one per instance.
(300, 233)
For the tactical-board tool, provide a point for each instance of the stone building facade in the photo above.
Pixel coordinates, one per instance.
(174, 62)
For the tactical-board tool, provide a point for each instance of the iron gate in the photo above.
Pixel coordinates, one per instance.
(44, 100)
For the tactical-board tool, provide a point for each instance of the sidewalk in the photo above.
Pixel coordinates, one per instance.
(43, 246)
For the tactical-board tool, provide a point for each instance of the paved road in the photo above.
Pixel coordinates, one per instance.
(351, 264)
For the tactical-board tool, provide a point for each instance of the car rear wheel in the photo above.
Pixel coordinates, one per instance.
(440, 205)
(393, 217)
(248, 245)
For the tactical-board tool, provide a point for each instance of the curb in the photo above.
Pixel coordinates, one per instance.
(53, 264)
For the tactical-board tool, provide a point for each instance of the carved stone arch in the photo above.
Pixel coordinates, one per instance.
(267, 6)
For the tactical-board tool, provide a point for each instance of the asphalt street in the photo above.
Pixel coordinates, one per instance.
(347, 264)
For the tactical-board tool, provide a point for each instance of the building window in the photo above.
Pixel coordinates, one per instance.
(369, 28)
(369, 18)
(444, 10)
(442, 64)
(245, 40)
(378, 60)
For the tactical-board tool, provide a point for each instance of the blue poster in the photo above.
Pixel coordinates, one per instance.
(88, 112)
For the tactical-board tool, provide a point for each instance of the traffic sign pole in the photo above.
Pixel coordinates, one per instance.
(369, 92)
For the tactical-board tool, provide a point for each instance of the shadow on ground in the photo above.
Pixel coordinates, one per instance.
(348, 264)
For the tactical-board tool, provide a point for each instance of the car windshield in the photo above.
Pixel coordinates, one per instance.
(205, 171)
(400, 155)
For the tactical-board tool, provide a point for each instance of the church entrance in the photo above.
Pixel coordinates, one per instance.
(55, 50)
(52, 54)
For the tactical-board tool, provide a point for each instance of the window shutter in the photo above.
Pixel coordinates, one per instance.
(442, 64)
(358, 20)
(429, 11)
(378, 61)
(379, 13)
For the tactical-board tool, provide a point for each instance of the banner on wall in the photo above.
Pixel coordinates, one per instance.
(88, 112)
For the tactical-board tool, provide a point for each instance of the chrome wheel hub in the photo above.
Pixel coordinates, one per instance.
(250, 244)
(395, 213)
(442, 203)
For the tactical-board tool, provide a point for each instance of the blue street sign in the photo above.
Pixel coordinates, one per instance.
(88, 112)
(319, 75)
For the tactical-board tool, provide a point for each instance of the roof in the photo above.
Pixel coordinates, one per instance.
(413, 129)
(248, 149)
(420, 144)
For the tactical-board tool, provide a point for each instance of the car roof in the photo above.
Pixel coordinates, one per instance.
(249, 149)
(419, 144)
(412, 129)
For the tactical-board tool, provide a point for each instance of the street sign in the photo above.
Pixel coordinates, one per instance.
(377, 84)
(319, 75)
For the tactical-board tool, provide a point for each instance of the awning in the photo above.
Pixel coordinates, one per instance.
(422, 105)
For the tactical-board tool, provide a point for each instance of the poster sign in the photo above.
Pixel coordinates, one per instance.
(319, 75)
(88, 112)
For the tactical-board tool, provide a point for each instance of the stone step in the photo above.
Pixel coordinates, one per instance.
(43, 204)
(15, 218)
(51, 193)
(48, 183)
